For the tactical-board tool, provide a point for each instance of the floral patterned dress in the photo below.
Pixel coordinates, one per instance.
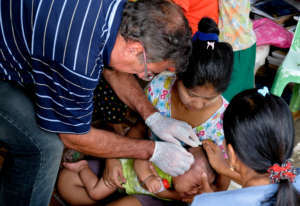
(158, 92)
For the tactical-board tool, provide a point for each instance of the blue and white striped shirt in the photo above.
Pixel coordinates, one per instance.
(59, 46)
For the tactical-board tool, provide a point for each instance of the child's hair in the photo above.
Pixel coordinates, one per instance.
(208, 64)
(260, 129)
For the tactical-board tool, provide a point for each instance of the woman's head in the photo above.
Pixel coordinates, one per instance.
(211, 61)
(210, 64)
(190, 183)
(260, 129)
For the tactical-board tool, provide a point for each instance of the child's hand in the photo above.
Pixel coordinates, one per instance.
(76, 166)
(153, 184)
(113, 173)
(215, 156)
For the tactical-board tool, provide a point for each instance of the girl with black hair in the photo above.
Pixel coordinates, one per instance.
(194, 95)
(259, 133)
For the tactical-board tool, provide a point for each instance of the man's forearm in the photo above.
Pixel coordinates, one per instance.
(105, 144)
(129, 91)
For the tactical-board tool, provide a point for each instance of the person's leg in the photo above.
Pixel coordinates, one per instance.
(30, 170)
(126, 201)
(242, 77)
(144, 200)
(71, 189)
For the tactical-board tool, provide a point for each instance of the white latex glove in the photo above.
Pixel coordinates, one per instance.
(171, 158)
(172, 130)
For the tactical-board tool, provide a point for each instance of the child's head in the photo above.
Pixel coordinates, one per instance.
(190, 183)
(210, 65)
(260, 129)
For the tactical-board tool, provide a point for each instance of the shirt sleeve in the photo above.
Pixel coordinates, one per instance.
(71, 42)
(64, 99)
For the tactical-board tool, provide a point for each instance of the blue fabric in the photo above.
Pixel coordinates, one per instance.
(30, 169)
(205, 36)
(249, 196)
(60, 47)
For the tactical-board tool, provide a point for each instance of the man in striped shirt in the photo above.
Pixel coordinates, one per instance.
(52, 54)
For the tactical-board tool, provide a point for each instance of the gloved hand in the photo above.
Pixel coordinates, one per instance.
(172, 130)
(171, 158)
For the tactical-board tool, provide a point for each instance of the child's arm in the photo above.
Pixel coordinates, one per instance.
(147, 175)
(169, 194)
(94, 186)
(113, 174)
(153, 183)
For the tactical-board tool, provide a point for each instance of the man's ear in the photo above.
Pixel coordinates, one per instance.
(133, 48)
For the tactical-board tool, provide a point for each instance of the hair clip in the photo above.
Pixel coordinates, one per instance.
(263, 91)
(210, 43)
(202, 36)
(282, 172)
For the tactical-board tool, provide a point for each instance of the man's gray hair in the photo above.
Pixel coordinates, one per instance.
(162, 29)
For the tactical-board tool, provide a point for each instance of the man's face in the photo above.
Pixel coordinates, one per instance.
(138, 67)
(131, 57)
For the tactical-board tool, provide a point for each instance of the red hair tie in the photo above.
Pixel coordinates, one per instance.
(283, 172)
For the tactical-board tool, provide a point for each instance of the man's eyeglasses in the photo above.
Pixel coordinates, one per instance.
(148, 75)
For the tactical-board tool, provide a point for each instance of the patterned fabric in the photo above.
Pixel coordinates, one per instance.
(269, 32)
(242, 76)
(132, 185)
(235, 24)
(158, 92)
(108, 107)
(60, 47)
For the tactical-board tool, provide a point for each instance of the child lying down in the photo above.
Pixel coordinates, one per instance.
(142, 177)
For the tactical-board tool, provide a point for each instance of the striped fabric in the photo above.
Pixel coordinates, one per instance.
(59, 46)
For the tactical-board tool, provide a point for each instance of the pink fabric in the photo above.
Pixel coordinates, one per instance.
(271, 33)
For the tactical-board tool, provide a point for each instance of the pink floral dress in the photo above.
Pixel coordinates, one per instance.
(158, 92)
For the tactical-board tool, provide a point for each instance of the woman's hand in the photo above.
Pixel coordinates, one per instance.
(113, 174)
(218, 162)
(215, 156)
